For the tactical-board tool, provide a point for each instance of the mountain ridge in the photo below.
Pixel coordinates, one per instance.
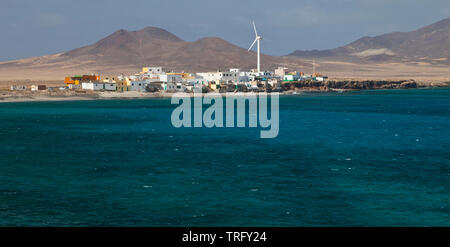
(391, 55)
(152, 46)
(430, 43)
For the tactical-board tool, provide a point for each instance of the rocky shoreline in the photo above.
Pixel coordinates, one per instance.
(287, 88)
(346, 85)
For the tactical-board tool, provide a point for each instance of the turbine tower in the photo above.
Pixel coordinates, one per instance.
(257, 40)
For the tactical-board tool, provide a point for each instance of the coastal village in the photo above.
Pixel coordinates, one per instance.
(157, 79)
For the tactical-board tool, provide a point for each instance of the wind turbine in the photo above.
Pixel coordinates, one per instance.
(257, 40)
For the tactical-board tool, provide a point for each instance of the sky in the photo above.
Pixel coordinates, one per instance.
(34, 28)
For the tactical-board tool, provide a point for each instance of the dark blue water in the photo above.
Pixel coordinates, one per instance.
(371, 158)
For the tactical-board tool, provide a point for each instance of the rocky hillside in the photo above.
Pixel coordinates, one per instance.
(430, 44)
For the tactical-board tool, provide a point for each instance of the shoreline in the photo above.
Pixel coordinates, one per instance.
(39, 97)
(294, 88)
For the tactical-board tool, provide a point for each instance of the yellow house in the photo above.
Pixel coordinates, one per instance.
(122, 86)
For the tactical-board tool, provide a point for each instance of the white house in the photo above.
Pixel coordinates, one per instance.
(170, 78)
(173, 86)
(229, 76)
(172, 82)
(244, 78)
(281, 71)
(198, 80)
(139, 86)
(211, 76)
(74, 86)
(18, 88)
(98, 86)
(234, 76)
(291, 77)
(319, 78)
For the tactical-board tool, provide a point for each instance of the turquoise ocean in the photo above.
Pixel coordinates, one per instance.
(367, 158)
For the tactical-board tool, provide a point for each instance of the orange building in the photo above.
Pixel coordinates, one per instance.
(76, 80)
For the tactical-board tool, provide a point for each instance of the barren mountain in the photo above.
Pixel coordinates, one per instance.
(430, 44)
(423, 55)
(127, 51)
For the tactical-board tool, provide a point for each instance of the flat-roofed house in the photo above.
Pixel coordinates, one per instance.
(98, 86)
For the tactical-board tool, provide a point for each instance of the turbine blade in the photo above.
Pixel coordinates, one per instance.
(254, 27)
(252, 45)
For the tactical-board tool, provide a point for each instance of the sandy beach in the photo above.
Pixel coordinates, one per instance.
(74, 96)
(98, 96)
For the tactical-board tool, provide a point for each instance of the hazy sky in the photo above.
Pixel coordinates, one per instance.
(32, 28)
